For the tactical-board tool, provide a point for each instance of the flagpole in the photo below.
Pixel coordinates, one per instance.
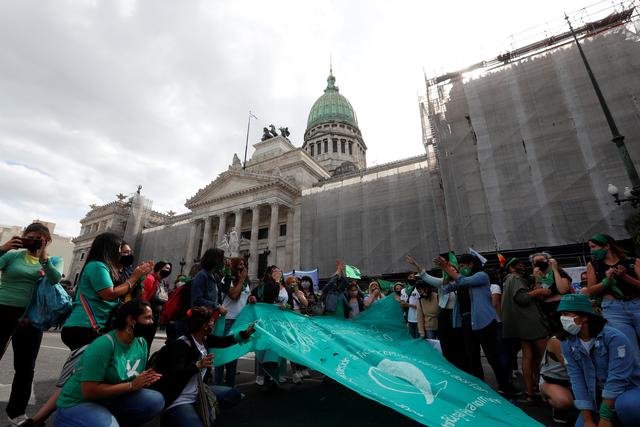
(246, 144)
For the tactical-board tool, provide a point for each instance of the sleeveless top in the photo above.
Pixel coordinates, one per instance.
(627, 289)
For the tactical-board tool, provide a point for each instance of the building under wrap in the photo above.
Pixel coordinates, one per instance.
(523, 147)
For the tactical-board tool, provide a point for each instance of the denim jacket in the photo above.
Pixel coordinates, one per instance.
(482, 311)
(610, 363)
(204, 290)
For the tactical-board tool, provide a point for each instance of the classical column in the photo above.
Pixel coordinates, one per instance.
(289, 246)
(253, 246)
(273, 233)
(222, 228)
(238, 221)
(206, 236)
(191, 244)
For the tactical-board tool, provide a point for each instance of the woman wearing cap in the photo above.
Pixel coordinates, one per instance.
(614, 276)
(522, 319)
(604, 374)
(373, 294)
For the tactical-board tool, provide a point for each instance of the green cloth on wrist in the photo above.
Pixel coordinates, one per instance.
(607, 412)
(610, 284)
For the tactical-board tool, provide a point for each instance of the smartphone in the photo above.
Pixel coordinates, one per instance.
(31, 244)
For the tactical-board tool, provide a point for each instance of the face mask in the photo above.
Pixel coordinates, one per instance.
(398, 292)
(521, 271)
(569, 325)
(465, 271)
(164, 274)
(599, 254)
(126, 260)
(141, 330)
(411, 281)
(542, 265)
(305, 285)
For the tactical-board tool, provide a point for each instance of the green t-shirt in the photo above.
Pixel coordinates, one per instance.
(19, 277)
(95, 277)
(108, 361)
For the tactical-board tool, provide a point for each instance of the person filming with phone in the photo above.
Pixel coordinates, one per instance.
(23, 260)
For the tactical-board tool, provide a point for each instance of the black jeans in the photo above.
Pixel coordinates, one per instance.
(488, 338)
(26, 345)
(451, 340)
(76, 336)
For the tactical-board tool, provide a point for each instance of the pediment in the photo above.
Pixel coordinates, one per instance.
(229, 184)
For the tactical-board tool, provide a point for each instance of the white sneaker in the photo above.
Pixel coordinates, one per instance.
(297, 378)
(305, 373)
(259, 380)
(18, 420)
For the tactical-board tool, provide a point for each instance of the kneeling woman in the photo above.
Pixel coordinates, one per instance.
(603, 371)
(107, 387)
(187, 358)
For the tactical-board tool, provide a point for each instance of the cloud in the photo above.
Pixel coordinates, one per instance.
(100, 96)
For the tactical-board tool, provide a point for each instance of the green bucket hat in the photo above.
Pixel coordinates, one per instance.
(576, 303)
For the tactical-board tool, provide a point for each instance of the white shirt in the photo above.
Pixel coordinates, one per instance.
(190, 392)
(234, 307)
(412, 315)
(587, 344)
(495, 290)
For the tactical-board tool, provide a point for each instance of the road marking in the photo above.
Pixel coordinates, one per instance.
(55, 348)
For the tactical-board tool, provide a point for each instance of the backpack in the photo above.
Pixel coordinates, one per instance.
(177, 305)
(50, 305)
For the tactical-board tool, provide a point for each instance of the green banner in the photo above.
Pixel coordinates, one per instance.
(380, 361)
(352, 272)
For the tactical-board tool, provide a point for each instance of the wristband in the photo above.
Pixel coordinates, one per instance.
(607, 412)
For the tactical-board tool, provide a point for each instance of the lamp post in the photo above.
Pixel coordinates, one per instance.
(182, 264)
(632, 194)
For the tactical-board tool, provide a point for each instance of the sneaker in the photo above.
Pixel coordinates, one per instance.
(19, 420)
(559, 417)
(259, 380)
(297, 378)
(306, 374)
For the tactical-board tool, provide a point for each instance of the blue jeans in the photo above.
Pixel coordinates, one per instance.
(181, 415)
(413, 329)
(625, 317)
(431, 335)
(230, 379)
(132, 409)
(627, 409)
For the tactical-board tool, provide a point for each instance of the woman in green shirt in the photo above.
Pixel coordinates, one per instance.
(23, 260)
(97, 291)
(108, 385)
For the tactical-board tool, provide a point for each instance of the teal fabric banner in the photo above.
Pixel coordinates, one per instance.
(380, 361)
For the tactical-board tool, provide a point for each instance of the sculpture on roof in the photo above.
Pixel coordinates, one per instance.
(139, 189)
(270, 132)
(121, 197)
(284, 132)
(236, 160)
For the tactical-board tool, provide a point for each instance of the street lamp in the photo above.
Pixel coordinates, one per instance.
(182, 264)
(632, 194)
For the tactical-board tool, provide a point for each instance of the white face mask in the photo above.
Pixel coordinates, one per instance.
(569, 325)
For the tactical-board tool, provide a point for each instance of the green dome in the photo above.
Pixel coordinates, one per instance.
(331, 106)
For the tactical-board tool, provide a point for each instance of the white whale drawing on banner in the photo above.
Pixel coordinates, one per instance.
(412, 380)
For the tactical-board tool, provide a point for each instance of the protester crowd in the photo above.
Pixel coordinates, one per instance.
(579, 344)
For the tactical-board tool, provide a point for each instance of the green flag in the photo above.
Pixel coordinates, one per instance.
(380, 361)
(454, 262)
(385, 285)
(352, 272)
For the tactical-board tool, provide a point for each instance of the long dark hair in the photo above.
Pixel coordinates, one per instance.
(106, 249)
(613, 247)
(595, 325)
(266, 277)
(118, 317)
(212, 259)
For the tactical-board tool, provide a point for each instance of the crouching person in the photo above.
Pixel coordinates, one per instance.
(108, 386)
(184, 363)
(602, 366)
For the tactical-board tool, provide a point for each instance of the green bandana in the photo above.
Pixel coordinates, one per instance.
(599, 240)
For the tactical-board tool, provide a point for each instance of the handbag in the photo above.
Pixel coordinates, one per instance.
(206, 403)
(50, 305)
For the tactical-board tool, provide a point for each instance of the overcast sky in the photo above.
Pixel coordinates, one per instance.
(97, 97)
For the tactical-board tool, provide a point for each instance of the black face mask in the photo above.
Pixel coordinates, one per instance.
(521, 271)
(398, 292)
(542, 265)
(164, 274)
(412, 282)
(126, 260)
(140, 330)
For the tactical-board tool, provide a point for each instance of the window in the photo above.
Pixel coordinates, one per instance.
(283, 229)
(263, 233)
(312, 146)
(335, 145)
(342, 126)
(326, 146)
(246, 235)
(350, 147)
(342, 147)
(319, 148)
(81, 256)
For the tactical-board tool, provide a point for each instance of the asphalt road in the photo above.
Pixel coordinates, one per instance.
(316, 402)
